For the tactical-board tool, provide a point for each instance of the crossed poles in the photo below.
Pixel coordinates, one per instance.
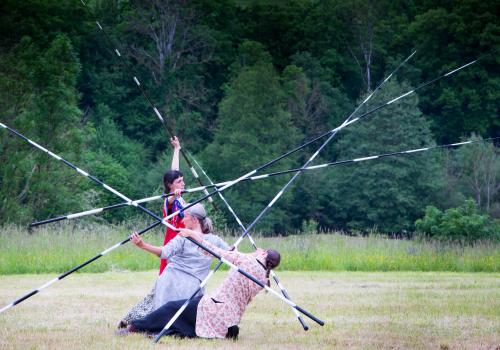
(163, 221)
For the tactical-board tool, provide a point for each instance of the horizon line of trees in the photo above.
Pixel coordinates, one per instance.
(243, 82)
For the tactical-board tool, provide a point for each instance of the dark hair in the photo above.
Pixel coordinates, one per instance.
(272, 261)
(169, 177)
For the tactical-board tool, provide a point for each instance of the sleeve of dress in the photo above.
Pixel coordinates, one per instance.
(232, 257)
(216, 241)
(173, 247)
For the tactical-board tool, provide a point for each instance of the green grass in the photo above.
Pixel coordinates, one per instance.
(361, 310)
(58, 248)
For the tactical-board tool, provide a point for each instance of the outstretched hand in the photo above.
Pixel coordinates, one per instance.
(136, 239)
(185, 232)
(174, 141)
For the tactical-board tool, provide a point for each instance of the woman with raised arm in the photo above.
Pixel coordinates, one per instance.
(187, 266)
(215, 315)
(173, 181)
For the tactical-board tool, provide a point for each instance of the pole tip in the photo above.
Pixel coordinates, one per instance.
(158, 337)
(303, 323)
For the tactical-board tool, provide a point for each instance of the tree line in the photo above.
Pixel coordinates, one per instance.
(242, 82)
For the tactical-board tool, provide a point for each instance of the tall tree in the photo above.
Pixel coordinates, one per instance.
(48, 113)
(387, 194)
(253, 126)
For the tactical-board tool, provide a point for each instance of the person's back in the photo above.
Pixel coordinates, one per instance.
(188, 258)
(186, 269)
(220, 310)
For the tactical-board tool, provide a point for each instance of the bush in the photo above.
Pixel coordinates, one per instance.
(463, 224)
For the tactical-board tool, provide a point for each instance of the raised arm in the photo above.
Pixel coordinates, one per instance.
(138, 241)
(174, 141)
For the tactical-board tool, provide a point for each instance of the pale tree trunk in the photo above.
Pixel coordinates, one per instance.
(26, 187)
(171, 25)
(364, 18)
(491, 182)
(483, 177)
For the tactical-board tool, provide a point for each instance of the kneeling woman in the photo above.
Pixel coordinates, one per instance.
(216, 315)
(187, 266)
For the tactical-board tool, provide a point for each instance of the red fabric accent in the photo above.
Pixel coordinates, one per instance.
(169, 234)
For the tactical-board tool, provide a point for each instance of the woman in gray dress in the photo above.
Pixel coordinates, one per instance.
(186, 268)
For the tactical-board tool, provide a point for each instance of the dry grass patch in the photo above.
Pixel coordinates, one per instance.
(398, 310)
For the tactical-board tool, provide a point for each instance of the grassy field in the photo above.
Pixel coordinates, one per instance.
(58, 248)
(362, 310)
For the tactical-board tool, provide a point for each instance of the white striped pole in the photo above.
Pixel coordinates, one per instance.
(345, 124)
(86, 174)
(260, 283)
(261, 214)
(373, 157)
(263, 176)
(109, 188)
(240, 223)
(210, 251)
(160, 220)
(95, 211)
(155, 109)
(207, 195)
(332, 134)
(76, 268)
(251, 173)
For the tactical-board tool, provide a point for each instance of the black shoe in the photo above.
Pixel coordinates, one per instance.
(122, 324)
(232, 332)
(127, 330)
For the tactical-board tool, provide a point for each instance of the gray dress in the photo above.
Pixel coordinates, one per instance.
(187, 267)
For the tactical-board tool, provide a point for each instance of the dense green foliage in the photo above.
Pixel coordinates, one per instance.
(241, 82)
(463, 224)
